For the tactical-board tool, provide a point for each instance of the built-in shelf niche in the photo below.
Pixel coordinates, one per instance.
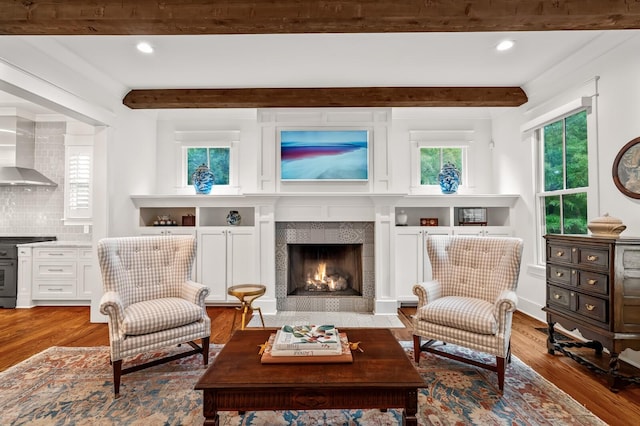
(448, 216)
(149, 215)
(217, 216)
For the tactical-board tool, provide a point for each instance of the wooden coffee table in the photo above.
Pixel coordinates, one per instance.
(380, 377)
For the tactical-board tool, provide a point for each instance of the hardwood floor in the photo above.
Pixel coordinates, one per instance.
(25, 332)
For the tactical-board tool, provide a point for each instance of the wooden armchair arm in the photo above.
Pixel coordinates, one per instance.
(427, 291)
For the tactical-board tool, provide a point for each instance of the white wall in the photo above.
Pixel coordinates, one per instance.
(617, 107)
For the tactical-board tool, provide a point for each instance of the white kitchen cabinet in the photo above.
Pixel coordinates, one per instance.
(226, 256)
(58, 273)
(412, 264)
(85, 265)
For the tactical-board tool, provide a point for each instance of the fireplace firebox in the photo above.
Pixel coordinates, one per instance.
(324, 270)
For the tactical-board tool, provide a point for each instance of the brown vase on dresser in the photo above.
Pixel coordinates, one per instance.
(593, 285)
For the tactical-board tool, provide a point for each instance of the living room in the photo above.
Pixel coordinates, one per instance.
(136, 152)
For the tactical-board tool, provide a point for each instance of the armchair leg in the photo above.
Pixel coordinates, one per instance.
(501, 367)
(205, 350)
(417, 343)
(117, 374)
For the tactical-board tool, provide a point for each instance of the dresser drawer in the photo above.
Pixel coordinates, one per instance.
(561, 298)
(54, 290)
(593, 307)
(591, 281)
(594, 258)
(561, 275)
(54, 270)
(560, 253)
(55, 253)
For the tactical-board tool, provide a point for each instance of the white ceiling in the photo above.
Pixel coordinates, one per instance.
(325, 60)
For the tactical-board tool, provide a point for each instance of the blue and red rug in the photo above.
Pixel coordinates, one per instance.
(73, 386)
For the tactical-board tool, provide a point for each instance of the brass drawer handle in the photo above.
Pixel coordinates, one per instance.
(556, 296)
(559, 253)
(589, 307)
(592, 258)
(559, 274)
(592, 282)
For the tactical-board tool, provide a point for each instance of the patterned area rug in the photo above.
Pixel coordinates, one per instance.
(72, 386)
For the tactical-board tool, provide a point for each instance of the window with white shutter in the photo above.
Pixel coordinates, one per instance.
(78, 179)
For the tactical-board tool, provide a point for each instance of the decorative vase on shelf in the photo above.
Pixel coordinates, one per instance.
(202, 179)
(234, 218)
(449, 178)
(401, 218)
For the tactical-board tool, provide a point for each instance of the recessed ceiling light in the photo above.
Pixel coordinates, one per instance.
(505, 45)
(144, 47)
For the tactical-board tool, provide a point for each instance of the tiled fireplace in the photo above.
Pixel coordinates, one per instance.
(325, 266)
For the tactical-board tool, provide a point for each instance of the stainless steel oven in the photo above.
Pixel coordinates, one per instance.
(9, 267)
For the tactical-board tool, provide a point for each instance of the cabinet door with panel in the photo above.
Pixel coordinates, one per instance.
(226, 256)
(412, 264)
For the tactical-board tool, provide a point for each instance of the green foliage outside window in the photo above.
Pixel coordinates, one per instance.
(566, 167)
(432, 159)
(216, 158)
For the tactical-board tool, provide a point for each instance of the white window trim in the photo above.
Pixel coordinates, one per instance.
(571, 108)
(208, 139)
(423, 139)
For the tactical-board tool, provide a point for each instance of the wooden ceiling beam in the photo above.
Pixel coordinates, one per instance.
(181, 17)
(327, 97)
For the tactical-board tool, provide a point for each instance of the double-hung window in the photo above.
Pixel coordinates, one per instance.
(565, 186)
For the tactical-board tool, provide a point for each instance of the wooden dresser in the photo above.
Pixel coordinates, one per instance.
(593, 285)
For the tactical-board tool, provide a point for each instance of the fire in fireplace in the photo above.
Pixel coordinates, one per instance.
(325, 269)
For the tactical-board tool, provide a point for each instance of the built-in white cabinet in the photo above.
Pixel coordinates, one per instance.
(227, 255)
(59, 273)
(419, 217)
(167, 230)
(412, 264)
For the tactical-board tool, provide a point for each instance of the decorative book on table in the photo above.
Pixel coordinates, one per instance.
(307, 337)
(306, 356)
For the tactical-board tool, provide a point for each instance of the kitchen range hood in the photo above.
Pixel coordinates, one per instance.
(17, 154)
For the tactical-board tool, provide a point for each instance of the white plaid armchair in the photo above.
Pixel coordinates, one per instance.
(471, 298)
(150, 299)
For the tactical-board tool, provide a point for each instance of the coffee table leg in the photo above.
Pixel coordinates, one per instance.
(410, 409)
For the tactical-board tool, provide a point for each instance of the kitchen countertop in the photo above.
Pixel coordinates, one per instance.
(72, 244)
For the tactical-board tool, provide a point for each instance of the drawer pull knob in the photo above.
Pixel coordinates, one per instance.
(55, 270)
(55, 289)
(56, 254)
(560, 253)
(559, 274)
(592, 282)
(589, 307)
(556, 296)
(592, 258)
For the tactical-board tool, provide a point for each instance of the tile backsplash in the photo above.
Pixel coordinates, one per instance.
(38, 211)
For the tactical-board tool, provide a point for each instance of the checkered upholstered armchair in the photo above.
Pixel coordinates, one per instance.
(150, 299)
(471, 298)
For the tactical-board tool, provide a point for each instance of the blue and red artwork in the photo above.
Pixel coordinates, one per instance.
(324, 155)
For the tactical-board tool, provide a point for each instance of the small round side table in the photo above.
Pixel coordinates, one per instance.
(246, 293)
